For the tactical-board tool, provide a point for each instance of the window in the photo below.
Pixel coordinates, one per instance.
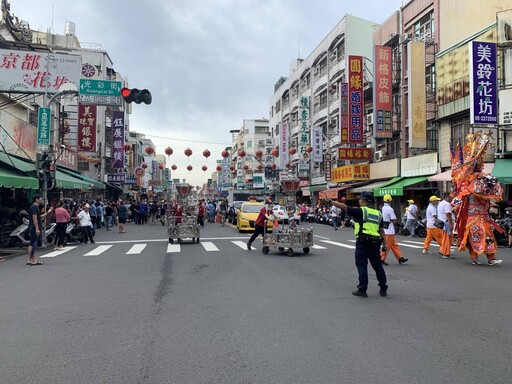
(432, 136)
(260, 130)
(83, 166)
(248, 144)
(430, 80)
(460, 129)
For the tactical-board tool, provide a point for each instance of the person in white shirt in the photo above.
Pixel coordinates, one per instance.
(412, 215)
(389, 220)
(335, 216)
(432, 231)
(444, 213)
(85, 224)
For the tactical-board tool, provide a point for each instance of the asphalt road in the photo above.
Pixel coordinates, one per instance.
(132, 309)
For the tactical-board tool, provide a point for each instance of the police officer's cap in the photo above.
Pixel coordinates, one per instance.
(366, 196)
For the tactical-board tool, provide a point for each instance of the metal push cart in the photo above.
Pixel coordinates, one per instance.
(289, 236)
(188, 228)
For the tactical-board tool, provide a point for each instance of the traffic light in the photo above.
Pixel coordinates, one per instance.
(136, 95)
(47, 171)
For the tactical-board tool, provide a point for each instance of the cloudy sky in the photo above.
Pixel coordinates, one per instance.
(209, 64)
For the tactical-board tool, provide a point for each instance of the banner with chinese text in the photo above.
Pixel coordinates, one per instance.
(284, 156)
(304, 134)
(355, 99)
(382, 94)
(117, 139)
(352, 172)
(343, 112)
(362, 154)
(417, 98)
(317, 141)
(87, 128)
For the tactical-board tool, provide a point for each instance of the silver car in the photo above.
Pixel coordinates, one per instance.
(279, 213)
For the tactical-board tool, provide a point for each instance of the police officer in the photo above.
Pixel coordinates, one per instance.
(369, 232)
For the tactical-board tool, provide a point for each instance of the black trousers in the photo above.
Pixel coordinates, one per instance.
(61, 233)
(258, 230)
(369, 251)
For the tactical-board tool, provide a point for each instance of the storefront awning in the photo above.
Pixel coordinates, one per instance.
(447, 175)
(503, 170)
(12, 179)
(21, 165)
(66, 181)
(370, 187)
(397, 188)
(92, 184)
(332, 193)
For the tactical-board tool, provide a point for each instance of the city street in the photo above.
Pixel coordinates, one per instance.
(133, 308)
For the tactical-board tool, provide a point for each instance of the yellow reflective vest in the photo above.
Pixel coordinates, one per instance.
(371, 222)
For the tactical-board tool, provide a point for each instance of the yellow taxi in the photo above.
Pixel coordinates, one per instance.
(247, 215)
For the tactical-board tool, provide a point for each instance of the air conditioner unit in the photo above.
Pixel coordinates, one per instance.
(369, 119)
(378, 156)
(404, 39)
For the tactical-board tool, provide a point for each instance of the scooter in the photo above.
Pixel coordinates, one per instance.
(74, 233)
(421, 229)
(20, 235)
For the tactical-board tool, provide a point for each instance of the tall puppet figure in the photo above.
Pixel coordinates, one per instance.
(473, 190)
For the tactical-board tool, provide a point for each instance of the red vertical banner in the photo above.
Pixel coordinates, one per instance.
(382, 95)
(343, 112)
(355, 99)
(87, 128)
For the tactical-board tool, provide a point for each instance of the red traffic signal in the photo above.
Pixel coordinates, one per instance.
(135, 95)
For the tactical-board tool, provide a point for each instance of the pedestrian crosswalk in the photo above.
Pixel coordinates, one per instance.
(140, 247)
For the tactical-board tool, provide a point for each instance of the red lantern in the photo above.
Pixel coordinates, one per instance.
(174, 167)
(144, 165)
(292, 151)
(161, 166)
(168, 151)
(274, 166)
(288, 165)
(309, 149)
(241, 153)
(260, 167)
(127, 147)
(259, 154)
(204, 168)
(188, 153)
(189, 167)
(246, 167)
(206, 153)
(218, 168)
(232, 168)
(224, 154)
(275, 152)
(150, 150)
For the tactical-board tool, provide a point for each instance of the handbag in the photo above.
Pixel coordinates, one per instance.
(439, 223)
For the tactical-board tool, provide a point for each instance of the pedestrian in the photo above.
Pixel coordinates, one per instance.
(35, 225)
(412, 214)
(369, 232)
(261, 221)
(109, 211)
(99, 214)
(335, 217)
(200, 213)
(303, 213)
(122, 212)
(389, 220)
(62, 219)
(433, 232)
(444, 213)
(86, 224)
(93, 214)
(143, 212)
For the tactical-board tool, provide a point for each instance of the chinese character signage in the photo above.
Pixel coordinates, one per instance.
(284, 156)
(355, 99)
(353, 172)
(118, 139)
(355, 154)
(43, 127)
(343, 112)
(327, 166)
(67, 157)
(304, 132)
(317, 141)
(37, 72)
(87, 128)
(483, 83)
(117, 178)
(268, 157)
(416, 96)
(382, 94)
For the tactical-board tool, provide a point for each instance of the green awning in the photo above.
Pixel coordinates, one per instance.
(66, 181)
(91, 183)
(12, 179)
(396, 188)
(22, 165)
(503, 171)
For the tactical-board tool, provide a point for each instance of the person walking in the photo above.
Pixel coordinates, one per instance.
(35, 224)
(444, 213)
(412, 216)
(259, 225)
(433, 232)
(200, 213)
(62, 219)
(109, 212)
(335, 217)
(85, 224)
(99, 214)
(223, 211)
(389, 220)
(93, 214)
(122, 213)
(369, 232)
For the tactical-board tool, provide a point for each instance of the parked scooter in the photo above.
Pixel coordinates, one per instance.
(20, 235)
(420, 231)
(74, 233)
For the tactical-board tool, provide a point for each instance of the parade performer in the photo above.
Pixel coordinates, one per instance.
(473, 190)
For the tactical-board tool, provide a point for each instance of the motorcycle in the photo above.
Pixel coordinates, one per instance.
(502, 237)
(420, 231)
(74, 233)
(20, 235)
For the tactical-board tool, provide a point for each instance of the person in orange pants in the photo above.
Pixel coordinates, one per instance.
(432, 231)
(389, 219)
(444, 213)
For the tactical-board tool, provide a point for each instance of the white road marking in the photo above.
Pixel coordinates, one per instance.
(243, 245)
(98, 250)
(173, 248)
(209, 246)
(57, 253)
(136, 249)
(318, 247)
(411, 246)
(432, 244)
(166, 240)
(322, 237)
(339, 244)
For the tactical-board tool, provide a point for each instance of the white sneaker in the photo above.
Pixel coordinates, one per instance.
(426, 252)
(475, 262)
(494, 262)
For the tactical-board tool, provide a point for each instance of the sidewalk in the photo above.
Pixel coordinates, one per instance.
(7, 253)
